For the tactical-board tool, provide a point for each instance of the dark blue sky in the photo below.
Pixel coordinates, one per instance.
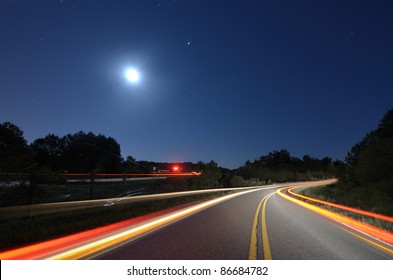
(220, 80)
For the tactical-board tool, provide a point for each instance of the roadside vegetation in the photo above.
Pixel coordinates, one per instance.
(334, 194)
(366, 181)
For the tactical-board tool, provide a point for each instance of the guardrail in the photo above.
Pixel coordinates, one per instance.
(50, 208)
(44, 188)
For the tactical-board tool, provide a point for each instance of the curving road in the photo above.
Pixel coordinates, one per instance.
(255, 225)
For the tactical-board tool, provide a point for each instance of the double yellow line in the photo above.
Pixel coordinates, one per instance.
(253, 250)
(370, 232)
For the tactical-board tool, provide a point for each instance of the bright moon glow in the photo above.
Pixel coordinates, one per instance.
(132, 75)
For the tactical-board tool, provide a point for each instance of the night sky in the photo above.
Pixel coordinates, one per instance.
(219, 80)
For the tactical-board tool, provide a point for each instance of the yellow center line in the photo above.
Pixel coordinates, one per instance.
(253, 249)
(365, 229)
(252, 253)
(265, 239)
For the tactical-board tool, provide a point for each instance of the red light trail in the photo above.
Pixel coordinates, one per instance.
(364, 228)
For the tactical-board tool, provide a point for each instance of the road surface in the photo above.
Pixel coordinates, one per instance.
(257, 225)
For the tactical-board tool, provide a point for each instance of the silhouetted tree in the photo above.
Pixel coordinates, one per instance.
(210, 176)
(130, 165)
(87, 152)
(78, 153)
(371, 160)
(385, 127)
(353, 156)
(48, 152)
(280, 166)
(15, 155)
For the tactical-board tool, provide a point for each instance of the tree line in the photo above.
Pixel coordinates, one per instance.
(280, 166)
(73, 153)
(83, 152)
(369, 163)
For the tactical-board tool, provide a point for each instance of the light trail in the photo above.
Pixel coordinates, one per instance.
(42, 249)
(339, 206)
(90, 242)
(129, 233)
(160, 174)
(58, 207)
(167, 174)
(366, 229)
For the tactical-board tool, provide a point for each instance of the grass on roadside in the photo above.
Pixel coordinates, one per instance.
(336, 194)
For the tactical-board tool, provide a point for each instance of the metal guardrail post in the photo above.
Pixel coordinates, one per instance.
(125, 181)
(91, 186)
(32, 183)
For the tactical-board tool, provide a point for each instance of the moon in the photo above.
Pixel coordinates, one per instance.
(132, 75)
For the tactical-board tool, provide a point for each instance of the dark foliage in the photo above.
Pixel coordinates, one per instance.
(15, 155)
(370, 162)
(280, 166)
(78, 153)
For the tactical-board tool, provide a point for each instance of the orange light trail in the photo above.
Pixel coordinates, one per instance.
(339, 206)
(120, 175)
(167, 174)
(40, 250)
(85, 243)
(367, 229)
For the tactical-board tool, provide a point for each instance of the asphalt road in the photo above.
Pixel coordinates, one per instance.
(224, 231)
